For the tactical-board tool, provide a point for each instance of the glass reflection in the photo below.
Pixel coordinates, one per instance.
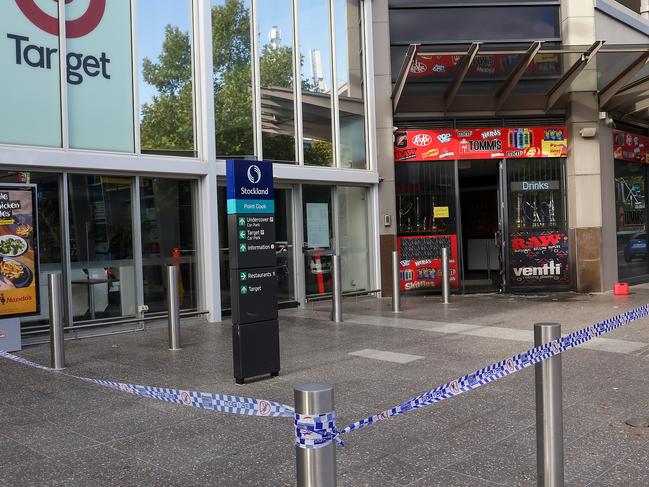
(164, 46)
(315, 60)
(232, 57)
(354, 239)
(167, 239)
(275, 33)
(318, 239)
(101, 247)
(349, 71)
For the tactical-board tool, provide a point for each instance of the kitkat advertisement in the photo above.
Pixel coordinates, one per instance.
(421, 261)
(480, 143)
(539, 258)
(630, 147)
(18, 251)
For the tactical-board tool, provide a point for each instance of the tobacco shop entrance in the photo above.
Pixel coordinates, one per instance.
(494, 196)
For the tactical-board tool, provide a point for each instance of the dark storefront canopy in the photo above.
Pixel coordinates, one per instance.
(535, 79)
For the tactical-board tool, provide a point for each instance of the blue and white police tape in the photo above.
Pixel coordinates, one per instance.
(503, 368)
(246, 406)
(316, 431)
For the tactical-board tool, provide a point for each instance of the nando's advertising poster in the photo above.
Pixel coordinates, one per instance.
(539, 258)
(18, 251)
(480, 143)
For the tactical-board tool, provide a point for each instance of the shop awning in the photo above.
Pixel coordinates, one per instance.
(532, 79)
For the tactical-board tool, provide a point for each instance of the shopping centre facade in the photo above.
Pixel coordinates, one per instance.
(495, 139)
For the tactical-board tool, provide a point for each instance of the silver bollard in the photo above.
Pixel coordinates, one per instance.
(396, 283)
(549, 411)
(446, 279)
(173, 301)
(316, 467)
(55, 295)
(336, 291)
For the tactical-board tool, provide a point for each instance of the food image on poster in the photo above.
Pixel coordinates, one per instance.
(539, 258)
(421, 261)
(18, 251)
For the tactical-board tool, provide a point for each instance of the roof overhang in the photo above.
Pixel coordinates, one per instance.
(532, 79)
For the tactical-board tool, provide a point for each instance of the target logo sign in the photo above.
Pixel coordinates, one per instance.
(75, 28)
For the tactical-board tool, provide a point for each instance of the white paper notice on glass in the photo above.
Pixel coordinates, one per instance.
(317, 225)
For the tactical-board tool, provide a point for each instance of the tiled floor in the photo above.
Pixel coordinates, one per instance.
(60, 431)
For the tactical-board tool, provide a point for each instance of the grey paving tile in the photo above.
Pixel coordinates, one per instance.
(47, 438)
(447, 478)
(13, 453)
(107, 466)
(625, 476)
(45, 473)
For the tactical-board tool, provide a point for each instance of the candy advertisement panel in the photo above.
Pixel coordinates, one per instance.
(480, 143)
(539, 258)
(630, 147)
(421, 261)
(484, 66)
(18, 251)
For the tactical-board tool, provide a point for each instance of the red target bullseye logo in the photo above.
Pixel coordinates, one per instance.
(80, 27)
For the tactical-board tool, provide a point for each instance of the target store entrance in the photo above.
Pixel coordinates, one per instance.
(494, 197)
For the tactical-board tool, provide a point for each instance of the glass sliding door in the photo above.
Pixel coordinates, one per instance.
(168, 237)
(354, 238)
(318, 239)
(101, 247)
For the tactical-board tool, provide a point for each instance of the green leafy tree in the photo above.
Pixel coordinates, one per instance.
(167, 122)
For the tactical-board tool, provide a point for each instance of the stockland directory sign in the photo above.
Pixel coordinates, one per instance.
(97, 70)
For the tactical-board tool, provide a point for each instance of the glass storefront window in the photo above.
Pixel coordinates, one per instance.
(232, 57)
(318, 238)
(167, 222)
(275, 29)
(30, 88)
(536, 190)
(631, 212)
(354, 238)
(315, 60)
(165, 77)
(349, 73)
(101, 247)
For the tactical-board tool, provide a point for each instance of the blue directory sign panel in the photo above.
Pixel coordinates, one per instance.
(253, 264)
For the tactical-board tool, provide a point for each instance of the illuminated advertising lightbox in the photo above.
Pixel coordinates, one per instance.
(18, 251)
(480, 143)
(97, 70)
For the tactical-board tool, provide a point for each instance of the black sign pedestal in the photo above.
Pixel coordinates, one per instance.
(253, 269)
(255, 349)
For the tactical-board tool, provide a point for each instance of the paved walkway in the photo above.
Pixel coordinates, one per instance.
(59, 431)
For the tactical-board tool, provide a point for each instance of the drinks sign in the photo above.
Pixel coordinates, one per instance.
(482, 143)
(18, 251)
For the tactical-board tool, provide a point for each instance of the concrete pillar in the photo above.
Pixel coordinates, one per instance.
(644, 9)
(384, 124)
(589, 167)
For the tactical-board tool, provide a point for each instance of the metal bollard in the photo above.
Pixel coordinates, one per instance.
(549, 411)
(315, 467)
(446, 290)
(55, 295)
(336, 291)
(173, 301)
(396, 283)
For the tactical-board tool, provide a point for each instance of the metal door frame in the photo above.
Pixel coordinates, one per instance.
(503, 225)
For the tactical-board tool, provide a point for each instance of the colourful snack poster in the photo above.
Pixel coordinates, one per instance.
(18, 251)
